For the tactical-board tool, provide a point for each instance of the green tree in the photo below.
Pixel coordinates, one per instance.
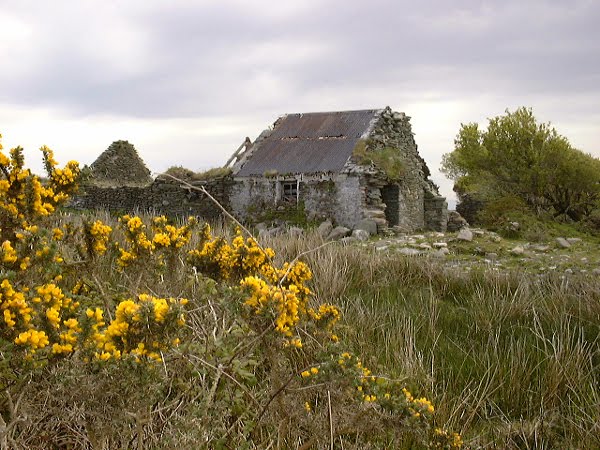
(518, 157)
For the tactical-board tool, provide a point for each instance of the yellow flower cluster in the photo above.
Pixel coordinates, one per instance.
(140, 244)
(278, 293)
(308, 373)
(287, 303)
(136, 328)
(384, 393)
(23, 197)
(326, 316)
(45, 318)
(170, 236)
(446, 440)
(218, 259)
(15, 309)
(99, 236)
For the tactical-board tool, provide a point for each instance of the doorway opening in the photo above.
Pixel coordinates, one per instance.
(390, 194)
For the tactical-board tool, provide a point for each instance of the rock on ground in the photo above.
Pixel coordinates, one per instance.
(338, 233)
(325, 228)
(465, 235)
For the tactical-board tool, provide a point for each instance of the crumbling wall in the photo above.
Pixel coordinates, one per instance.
(393, 130)
(161, 197)
(436, 213)
(338, 197)
(469, 206)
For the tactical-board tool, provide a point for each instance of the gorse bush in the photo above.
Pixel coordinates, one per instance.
(151, 333)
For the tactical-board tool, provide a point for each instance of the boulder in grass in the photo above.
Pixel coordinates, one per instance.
(465, 235)
(325, 228)
(368, 225)
(338, 233)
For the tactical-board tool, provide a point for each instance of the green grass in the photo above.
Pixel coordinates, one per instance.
(511, 359)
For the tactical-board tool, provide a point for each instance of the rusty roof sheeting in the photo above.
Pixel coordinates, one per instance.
(309, 143)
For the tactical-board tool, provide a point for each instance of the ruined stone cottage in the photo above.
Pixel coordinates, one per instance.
(346, 165)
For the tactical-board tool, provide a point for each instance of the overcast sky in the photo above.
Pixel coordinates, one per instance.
(186, 81)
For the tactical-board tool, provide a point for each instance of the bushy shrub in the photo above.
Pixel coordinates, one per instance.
(145, 332)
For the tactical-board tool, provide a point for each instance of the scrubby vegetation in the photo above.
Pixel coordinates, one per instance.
(510, 358)
(387, 159)
(146, 333)
(188, 175)
(522, 164)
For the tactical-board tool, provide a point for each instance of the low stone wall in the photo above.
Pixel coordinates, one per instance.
(436, 213)
(161, 197)
(469, 207)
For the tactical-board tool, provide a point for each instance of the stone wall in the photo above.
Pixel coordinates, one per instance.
(468, 207)
(436, 213)
(337, 197)
(393, 130)
(358, 191)
(161, 197)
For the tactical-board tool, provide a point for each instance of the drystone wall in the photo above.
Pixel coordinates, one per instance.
(436, 213)
(361, 190)
(161, 197)
(335, 197)
(469, 206)
(401, 204)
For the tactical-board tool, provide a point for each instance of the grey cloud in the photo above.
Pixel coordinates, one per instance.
(198, 64)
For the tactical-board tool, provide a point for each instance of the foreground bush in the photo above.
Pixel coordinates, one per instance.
(148, 333)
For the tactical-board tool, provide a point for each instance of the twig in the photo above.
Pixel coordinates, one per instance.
(104, 297)
(330, 419)
(222, 208)
(228, 376)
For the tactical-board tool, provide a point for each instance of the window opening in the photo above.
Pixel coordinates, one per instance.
(289, 191)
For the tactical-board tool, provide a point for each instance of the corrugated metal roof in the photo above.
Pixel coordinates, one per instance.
(309, 143)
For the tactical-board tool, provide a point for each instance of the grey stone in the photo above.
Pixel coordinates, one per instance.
(348, 240)
(440, 244)
(596, 271)
(368, 225)
(361, 235)
(465, 235)
(563, 243)
(491, 256)
(425, 246)
(518, 250)
(338, 233)
(441, 252)
(261, 226)
(573, 240)
(374, 214)
(325, 228)
(455, 222)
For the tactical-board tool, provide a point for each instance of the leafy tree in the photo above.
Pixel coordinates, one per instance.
(518, 157)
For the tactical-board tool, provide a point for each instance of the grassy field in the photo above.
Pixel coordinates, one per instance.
(511, 359)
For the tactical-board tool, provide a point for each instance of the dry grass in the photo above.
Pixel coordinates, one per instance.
(512, 360)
